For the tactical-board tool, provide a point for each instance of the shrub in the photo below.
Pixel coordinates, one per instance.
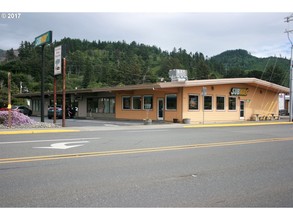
(17, 118)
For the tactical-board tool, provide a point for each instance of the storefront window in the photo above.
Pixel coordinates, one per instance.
(101, 105)
(126, 102)
(220, 103)
(208, 100)
(136, 102)
(112, 105)
(171, 102)
(92, 105)
(193, 102)
(232, 103)
(106, 105)
(36, 105)
(148, 102)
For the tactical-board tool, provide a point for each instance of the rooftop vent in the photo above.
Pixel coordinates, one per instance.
(178, 75)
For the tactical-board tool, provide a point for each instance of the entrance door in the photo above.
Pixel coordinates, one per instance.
(242, 109)
(160, 109)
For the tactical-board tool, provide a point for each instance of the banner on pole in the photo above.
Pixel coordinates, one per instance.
(57, 60)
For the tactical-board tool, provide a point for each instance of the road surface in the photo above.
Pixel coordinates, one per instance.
(157, 167)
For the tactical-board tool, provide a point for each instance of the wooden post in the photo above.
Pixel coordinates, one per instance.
(64, 93)
(9, 100)
(55, 99)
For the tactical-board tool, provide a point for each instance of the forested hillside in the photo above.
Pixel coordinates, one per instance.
(239, 63)
(98, 64)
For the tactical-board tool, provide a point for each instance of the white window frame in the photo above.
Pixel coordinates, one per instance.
(221, 110)
(198, 102)
(123, 97)
(132, 102)
(212, 107)
(166, 101)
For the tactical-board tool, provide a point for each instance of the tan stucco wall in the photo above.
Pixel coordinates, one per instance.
(143, 114)
(257, 101)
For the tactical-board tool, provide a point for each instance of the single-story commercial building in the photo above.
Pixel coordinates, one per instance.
(211, 100)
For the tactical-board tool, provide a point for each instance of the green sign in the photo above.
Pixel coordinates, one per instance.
(45, 38)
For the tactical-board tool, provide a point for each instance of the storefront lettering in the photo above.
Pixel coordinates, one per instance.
(239, 91)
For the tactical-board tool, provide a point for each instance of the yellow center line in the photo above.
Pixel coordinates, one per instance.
(139, 150)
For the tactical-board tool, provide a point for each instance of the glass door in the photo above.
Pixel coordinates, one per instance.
(160, 109)
(242, 107)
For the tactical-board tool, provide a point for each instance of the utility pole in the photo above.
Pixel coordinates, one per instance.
(289, 19)
(9, 100)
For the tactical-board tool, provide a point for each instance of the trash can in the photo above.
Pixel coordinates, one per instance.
(186, 120)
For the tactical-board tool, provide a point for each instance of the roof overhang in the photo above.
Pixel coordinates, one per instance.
(167, 85)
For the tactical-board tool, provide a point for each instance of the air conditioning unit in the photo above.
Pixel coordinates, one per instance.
(178, 75)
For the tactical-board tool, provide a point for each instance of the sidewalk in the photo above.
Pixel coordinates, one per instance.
(139, 126)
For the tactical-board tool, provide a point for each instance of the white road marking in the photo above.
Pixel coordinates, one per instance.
(51, 140)
(65, 145)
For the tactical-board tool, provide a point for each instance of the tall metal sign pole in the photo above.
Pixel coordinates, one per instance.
(288, 19)
(42, 40)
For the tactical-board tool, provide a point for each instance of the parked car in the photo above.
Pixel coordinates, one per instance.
(58, 112)
(68, 114)
(22, 109)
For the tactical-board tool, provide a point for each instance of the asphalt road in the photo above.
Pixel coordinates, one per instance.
(157, 167)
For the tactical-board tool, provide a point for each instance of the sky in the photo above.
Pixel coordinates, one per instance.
(209, 32)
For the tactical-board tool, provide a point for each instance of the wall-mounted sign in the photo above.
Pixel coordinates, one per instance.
(239, 91)
(204, 91)
(58, 60)
(45, 38)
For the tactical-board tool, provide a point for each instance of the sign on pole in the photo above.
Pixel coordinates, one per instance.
(57, 60)
(204, 91)
(43, 39)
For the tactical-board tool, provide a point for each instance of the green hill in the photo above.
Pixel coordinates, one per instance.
(240, 63)
(101, 63)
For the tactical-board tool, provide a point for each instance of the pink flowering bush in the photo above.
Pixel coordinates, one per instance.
(17, 118)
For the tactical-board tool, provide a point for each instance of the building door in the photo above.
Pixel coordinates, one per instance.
(160, 109)
(242, 107)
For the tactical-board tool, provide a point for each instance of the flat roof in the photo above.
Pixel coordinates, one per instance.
(162, 85)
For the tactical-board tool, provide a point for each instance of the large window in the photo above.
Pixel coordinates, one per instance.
(208, 102)
(126, 102)
(220, 103)
(232, 103)
(148, 102)
(136, 102)
(171, 102)
(193, 102)
(36, 105)
(101, 105)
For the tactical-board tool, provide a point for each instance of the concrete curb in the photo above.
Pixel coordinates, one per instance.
(35, 131)
(135, 127)
(238, 124)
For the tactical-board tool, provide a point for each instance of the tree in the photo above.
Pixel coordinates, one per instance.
(87, 77)
(10, 55)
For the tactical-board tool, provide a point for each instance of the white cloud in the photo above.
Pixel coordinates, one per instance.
(262, 34)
